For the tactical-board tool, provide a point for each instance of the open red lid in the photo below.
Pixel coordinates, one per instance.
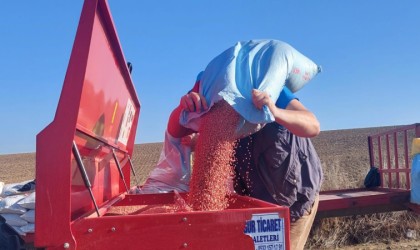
(83, 156)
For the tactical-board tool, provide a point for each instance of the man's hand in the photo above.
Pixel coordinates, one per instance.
(261, 98)
(193, 102)
(295, 117)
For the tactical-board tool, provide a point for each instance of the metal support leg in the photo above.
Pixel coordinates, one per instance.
(82, 169)
(119, 169)
(132, 169)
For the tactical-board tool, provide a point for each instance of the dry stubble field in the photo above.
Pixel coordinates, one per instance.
(345, 160)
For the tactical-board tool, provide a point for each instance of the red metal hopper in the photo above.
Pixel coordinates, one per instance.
(83, 166)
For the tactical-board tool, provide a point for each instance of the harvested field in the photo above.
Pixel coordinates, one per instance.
(345, 159)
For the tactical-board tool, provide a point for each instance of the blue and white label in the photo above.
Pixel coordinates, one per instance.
(267, 231)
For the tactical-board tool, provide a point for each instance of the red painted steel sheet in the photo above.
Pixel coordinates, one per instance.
(98, 111)
(181, 230)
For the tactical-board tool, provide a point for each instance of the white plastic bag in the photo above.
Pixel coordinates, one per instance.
(14, 220)
(9, 205)
(173, 170)
(265, 65)
(28, 202)
(30, 228)
(12, 189)
(29, 216)
(18, 230)
(1, 187)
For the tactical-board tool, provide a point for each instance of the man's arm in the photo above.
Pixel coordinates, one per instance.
(296, 118)
(174, 128)
(191, 102)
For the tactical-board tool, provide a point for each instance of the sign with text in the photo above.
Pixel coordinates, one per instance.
(267, 231)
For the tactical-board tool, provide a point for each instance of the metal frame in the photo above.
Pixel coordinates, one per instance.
(388, 160)
(96, 61)
(390, 196)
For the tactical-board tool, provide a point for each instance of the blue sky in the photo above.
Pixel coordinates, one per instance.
(369, 51)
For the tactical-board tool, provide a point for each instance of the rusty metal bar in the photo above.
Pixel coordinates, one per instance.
(371, 152)
(396, 164)
(388, 159)
(396, 170)
(132, 169)
(399, 168)
(381, 167)
(406, 158)
(401, 128)
(117, 162)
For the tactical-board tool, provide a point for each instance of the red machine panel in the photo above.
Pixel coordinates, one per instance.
(83, 167)
(82, 157)
(246, 224)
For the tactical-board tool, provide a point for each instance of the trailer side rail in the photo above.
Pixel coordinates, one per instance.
(389, 152)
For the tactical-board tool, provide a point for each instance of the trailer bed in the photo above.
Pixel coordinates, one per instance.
(348, 202)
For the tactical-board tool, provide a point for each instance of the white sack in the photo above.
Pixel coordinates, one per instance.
(9, 205)
(28, 202)
(30, 228)
(29, 216)
(19, 231)
(14, 220)
(12, 189)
